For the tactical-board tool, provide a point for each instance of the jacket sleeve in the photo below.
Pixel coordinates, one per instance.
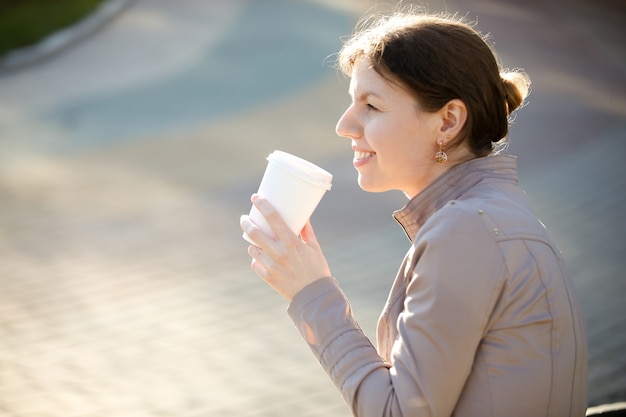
(453, 281)
(324, 318)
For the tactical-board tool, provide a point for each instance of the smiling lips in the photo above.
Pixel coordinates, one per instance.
(360, 155)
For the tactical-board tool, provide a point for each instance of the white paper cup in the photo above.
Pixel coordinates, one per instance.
(294, 187)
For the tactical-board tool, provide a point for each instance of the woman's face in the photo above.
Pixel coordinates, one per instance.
(394, 142)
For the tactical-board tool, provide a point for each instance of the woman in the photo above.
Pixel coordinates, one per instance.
(482, 319)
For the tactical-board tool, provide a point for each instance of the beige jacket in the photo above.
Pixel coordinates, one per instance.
(482, 320)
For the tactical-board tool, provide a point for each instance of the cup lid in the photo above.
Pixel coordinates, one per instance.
(306, 170)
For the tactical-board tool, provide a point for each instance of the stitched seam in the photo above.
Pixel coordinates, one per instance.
(550, 309)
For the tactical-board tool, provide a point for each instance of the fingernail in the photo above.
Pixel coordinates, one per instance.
(245, 223)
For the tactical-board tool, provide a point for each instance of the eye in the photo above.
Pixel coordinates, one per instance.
(371, 107)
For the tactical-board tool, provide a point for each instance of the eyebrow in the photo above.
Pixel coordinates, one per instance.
(365, 95)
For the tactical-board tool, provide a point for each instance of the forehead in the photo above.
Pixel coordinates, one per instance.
(365, 80)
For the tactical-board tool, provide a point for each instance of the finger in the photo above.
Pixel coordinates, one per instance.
(257, 263)
(258, 269)
(273, 218)
(252, 230)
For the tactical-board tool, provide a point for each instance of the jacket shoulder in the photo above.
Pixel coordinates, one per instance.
(498, 215)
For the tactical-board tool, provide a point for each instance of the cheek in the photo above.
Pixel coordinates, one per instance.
(400, 143)
(407, 157)
(383, 135)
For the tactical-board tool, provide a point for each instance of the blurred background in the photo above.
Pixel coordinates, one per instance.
(133, 136)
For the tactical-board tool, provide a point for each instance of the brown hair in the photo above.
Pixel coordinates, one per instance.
(440, 58)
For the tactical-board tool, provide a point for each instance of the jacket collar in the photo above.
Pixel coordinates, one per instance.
(451, 186)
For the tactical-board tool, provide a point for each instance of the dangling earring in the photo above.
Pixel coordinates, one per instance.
(441, 157)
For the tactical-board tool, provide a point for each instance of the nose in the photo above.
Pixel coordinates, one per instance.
(347, 126)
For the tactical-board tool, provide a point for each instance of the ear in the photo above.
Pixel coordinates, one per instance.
(453, 117)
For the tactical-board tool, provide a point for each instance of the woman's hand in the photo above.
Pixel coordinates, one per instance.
(287, 263)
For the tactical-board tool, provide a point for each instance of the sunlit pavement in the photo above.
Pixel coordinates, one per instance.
(126, 161)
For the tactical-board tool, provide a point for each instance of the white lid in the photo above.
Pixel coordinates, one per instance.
(302, 168)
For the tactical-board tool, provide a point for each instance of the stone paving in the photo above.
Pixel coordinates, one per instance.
(126, 161)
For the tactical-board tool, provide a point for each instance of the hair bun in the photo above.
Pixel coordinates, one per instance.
(516, 87)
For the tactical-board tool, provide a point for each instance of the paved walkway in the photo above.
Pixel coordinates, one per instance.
(126, 160)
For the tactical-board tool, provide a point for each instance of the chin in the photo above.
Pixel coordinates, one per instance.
(370, 187)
